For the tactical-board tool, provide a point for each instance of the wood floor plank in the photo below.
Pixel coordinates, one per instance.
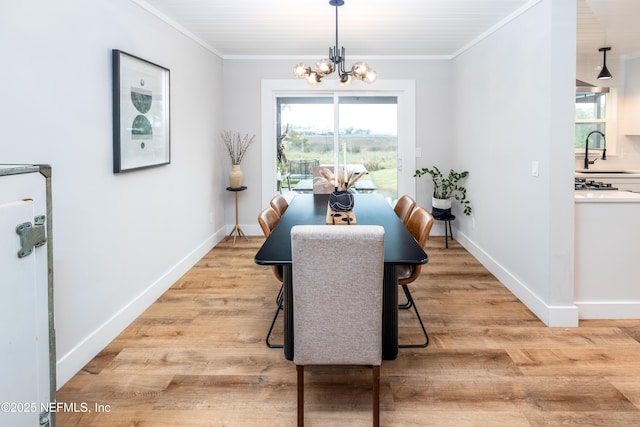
(197, 357)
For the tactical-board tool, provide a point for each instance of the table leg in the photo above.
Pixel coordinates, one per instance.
(288, 311)
(389, 313)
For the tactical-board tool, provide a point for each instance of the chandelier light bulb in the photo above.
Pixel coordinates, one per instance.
(324, 67)
(301, 70)
(360, 69)
(370, 77)
(345, 79)
(313, 79)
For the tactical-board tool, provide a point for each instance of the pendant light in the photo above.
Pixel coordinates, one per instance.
(604, 73)
(335, 62)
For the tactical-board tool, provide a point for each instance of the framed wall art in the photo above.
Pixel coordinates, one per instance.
(141, 119)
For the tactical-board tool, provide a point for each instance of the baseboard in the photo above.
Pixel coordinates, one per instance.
(552, 316)
(69, 364)
(608, 310)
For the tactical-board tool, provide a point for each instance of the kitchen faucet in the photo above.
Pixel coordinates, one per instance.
(588, 162)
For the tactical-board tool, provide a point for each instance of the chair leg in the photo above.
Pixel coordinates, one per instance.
(300, 372)
(280, 296)
(376, 395)
(411, 303)
(279, 302)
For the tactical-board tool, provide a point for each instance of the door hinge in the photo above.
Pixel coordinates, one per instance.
(45, 420)
(31, 235)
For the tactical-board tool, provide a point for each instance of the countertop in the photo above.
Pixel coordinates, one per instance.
(606, 196)
(607, 173)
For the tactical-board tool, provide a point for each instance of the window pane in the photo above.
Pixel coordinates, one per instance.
(369, 137)
(590, 105)
(590, 116)
(595, 140)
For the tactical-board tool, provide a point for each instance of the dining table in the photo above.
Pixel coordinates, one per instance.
(400, 247)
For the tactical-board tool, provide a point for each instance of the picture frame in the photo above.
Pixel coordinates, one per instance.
(141, 113)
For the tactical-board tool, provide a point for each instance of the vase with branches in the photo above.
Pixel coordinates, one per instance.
(446, 188)
(237, 146)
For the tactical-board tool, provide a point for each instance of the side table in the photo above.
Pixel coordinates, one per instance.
(447, 223)
(237, 231)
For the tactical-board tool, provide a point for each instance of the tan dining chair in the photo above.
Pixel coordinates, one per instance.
(279, 204)
(337, 307)
(403, 208)
(419, 224)
(268, 218)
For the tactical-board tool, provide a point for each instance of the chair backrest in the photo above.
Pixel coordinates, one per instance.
(302, 168)
(403, 208)
(337, 294)
(419, 224)
(268, 218)
(279, 204)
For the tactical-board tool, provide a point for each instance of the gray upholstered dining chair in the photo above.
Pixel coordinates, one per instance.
(337, 300)
(403, 208)
(268, 218)
(419, 224)
(279, 204)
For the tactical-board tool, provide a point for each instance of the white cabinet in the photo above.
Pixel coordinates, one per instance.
(27, 356)
(607, 243)
(632, 97)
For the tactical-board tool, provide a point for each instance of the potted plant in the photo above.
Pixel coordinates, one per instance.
(445, 189)
(237, 147)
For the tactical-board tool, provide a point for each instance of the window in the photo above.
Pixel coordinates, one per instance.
(595, 111)
(368, 136)
(403, 92)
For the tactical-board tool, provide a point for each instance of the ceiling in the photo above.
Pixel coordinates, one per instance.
(370, 28)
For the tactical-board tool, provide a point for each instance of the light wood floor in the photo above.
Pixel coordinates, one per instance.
(197, 357)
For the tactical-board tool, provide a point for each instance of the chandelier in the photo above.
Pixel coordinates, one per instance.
(335, 62)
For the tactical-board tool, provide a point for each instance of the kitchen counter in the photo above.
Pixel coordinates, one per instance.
(606, 196)
(612, 173)
(607, 244)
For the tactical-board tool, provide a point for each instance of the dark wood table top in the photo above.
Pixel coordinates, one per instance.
(370, 209)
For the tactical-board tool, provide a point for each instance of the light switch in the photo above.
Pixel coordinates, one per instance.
(418, 152)
(534, 168)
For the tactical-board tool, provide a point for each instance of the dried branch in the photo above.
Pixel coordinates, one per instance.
(236, 145)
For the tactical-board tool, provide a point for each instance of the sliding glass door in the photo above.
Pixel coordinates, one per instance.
(367, 142)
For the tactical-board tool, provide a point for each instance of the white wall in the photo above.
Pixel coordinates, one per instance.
(119, 240)
(513, 104)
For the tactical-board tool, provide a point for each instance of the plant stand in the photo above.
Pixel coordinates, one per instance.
(447, 223)
(237, 231)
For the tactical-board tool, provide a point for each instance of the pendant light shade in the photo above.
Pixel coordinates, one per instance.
(604, 73)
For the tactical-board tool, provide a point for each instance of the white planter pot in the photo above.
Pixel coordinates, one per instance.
(441, 203)
(441, 207)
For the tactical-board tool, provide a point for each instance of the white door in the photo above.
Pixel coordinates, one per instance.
(24, 342)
